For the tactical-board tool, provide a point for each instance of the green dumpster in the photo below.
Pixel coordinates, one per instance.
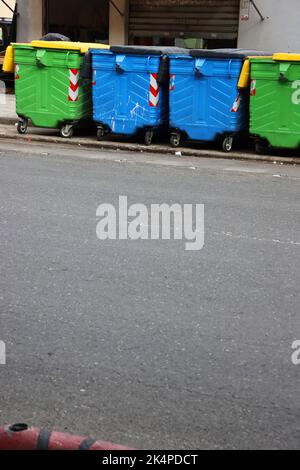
(275, 101)
(49, 89)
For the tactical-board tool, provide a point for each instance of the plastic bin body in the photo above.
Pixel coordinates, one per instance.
(48, 84)
(48, 87)
(205, 102)
(275, 100)
(127, 95)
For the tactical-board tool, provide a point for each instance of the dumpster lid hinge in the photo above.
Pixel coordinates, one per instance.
(116, 7)
(257, 10)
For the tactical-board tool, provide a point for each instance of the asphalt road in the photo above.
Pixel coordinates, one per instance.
(143, 343)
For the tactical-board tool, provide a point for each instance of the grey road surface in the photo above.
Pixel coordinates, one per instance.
(143, 343)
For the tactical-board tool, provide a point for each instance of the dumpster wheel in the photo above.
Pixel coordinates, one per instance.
(261, 146)
(67, 131)
(100, 133)
(148, 137)
(22, 126)
(175, 139)
(227, 143)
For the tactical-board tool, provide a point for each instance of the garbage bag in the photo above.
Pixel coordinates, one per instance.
(55, 37)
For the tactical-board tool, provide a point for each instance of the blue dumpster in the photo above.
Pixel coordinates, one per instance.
(205, 102)
(130, 90)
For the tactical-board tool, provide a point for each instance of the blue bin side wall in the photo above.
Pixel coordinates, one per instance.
(201, 104)
(121, 98)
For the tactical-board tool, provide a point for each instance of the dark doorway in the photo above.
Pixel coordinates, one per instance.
(80, 21)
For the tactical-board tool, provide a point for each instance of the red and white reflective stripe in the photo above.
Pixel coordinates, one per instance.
(236, 105)
(17, 70)
(172, 82)
(253, 88)
(154, 91)
(74, 85)
(94, 82)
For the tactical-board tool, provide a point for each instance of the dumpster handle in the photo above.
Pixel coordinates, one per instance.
(148, 63)
(67, 60)
(283, 71)
(40, 56)
(229, 71)
(120, 61)
(198, 64)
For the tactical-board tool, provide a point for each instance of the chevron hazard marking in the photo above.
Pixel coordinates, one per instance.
(74, 85)
(172, 82)
(253, 88)
(17, 71)
(154, 91)
(236, 105)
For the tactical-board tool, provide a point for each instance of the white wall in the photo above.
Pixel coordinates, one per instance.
(279, 32)
(4, 11)
(30, 20)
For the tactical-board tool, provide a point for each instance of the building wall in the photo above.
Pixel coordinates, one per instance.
(118, 24)
(279, 31)
(30, 20)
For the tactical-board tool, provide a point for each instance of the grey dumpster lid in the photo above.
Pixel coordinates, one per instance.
(148, 50)
(227, 53)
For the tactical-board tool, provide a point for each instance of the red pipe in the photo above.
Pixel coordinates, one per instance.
(24, 437)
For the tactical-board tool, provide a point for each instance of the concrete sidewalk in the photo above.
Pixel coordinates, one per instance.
(8, 109)
(8, 118)
(49, 137)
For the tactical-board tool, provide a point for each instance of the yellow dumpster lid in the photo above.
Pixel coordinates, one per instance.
(245, 77)
(260, 57)
(23, 44)
(287, 57)
(82, 47)
(8, 62)
(244, 80)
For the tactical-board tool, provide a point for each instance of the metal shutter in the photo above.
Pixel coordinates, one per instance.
(209, 19)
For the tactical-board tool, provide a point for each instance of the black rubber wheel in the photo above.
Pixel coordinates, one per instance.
(175, 140)
(148, 137)
(100, 133)
(227, 144)
(67, 131)
(22, 126)
(260, 147)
